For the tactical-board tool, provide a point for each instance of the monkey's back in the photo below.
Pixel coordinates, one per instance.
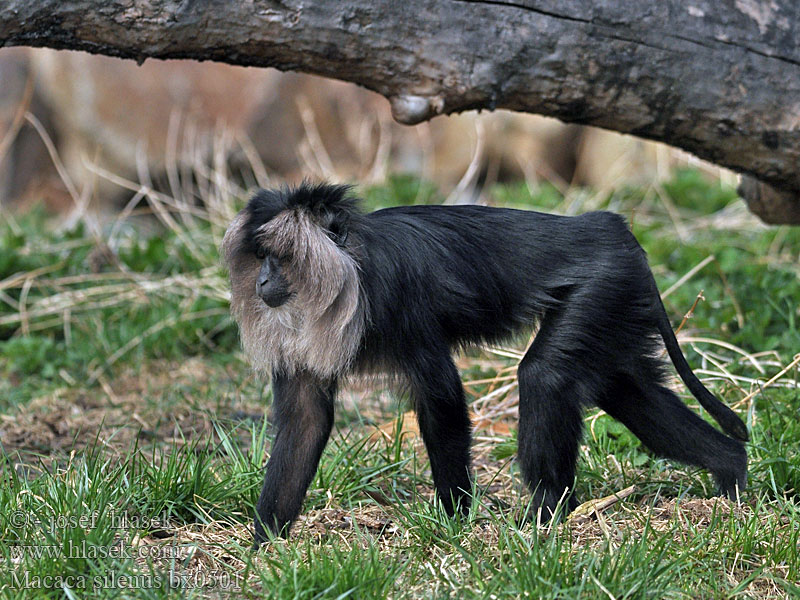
(467, 274)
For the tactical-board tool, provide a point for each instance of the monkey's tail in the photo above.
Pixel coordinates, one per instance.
(727, 419)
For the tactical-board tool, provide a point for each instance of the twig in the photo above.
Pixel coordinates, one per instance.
(594, 506)
(495, 381)
(689, 314)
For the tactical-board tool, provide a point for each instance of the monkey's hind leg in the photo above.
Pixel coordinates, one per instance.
(550, 425)
(445, 427)
(670, 429)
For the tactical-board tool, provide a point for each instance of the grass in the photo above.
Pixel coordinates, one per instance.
(133, 434)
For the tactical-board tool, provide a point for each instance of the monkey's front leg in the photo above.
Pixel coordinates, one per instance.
(303, 414)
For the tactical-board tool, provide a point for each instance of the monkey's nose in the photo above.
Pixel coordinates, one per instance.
(261, 282)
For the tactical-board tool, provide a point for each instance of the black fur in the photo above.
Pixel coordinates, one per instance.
(435, 278)
(303, 415)
(329, 203)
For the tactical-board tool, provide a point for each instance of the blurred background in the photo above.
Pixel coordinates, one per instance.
(79, 130)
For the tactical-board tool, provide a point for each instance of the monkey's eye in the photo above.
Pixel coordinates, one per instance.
(261, 253)
(337, 233)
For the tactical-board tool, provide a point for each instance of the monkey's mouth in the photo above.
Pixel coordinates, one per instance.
(277, 299)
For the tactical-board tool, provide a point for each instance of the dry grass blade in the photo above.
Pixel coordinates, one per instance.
(506, 353)
(459, 194)
(687, 276)
(62, 171)
(139, 290)
(169, 322)
(772, 380)
(20, 278)
(313, 151)
(18, 119)
(727, 375)
(704, 340)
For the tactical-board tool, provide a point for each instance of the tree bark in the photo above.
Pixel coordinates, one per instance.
(718, 78)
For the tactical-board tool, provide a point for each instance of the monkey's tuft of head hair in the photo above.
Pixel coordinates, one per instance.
(322, 201)
(321, 197)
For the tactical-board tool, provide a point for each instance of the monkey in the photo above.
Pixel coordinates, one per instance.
(322, 290)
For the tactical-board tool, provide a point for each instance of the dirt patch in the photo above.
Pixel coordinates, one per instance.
(165, 402)
(59, 422)
(684, 518)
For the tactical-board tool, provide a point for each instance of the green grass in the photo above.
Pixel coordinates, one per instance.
(133, 434)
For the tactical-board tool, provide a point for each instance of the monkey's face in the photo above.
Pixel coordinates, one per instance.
(302, 256)
(293, 242)
(271, 285)
(293, 254)
(295, 289)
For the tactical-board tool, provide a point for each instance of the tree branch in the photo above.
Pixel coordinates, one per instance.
(723, 83)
